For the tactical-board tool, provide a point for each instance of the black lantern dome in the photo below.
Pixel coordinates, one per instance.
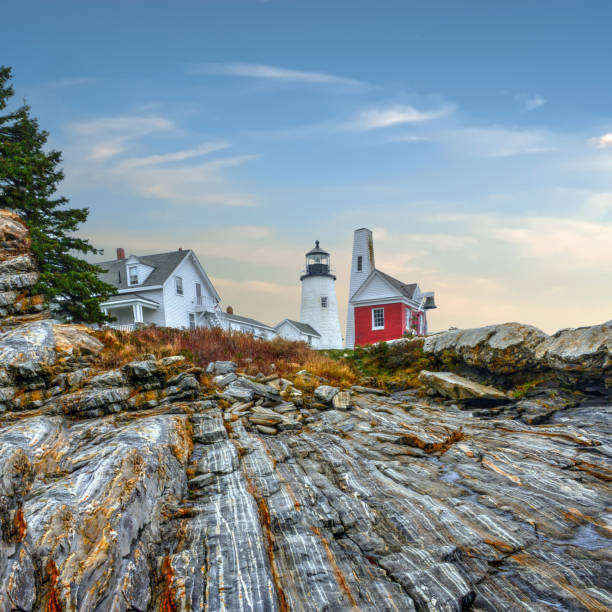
(317, 263)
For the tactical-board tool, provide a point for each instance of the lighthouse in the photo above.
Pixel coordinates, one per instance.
(319, 307)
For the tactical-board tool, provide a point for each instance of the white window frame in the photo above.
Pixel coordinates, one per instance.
(359, 263)
(178, 284)
(375, 310)
(324, 301)
(129, 270)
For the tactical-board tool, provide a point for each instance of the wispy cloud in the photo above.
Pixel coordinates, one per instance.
(152, 160)
(263, 71)
(397, 114)
(107, 137)
(101, 155)
(603, 141)
(527, 102)
(500, 142)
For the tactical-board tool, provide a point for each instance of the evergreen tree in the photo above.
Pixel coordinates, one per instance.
(29, 178)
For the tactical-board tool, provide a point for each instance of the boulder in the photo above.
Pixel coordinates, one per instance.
(503, 349)
(585, 350)
(221, 367)
(342, 400)
(457, 387)
(325, 393)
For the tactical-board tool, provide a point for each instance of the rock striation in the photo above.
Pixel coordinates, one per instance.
(149, 487)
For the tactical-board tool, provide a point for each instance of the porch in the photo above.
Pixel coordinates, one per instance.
(129, 311)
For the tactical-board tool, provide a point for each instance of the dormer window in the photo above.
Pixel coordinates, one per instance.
(178, 283)
(133, 275)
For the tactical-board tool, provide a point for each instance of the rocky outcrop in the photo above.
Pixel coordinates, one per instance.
(18, 274)
(149, 487)
(457, 387)
(573, 355)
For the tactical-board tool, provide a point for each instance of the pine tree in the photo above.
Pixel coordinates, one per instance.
(29, 178)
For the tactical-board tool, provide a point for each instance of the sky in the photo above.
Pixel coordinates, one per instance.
(474, 138)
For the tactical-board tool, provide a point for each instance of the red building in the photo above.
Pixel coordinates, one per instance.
(382, 308)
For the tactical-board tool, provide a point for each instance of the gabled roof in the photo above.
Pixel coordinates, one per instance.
(163, 265)
(245, 320)
(303, 328)
(404, 290)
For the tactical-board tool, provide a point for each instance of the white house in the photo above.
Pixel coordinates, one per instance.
(246, 325)
(166, 289)
(295, 330)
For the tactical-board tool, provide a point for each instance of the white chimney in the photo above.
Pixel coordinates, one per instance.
(362, 264)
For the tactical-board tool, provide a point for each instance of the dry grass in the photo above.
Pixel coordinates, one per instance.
(202, 345)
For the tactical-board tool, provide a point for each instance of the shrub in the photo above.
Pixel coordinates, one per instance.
(202, 345)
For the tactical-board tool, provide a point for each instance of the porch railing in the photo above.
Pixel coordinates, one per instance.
(203, 304)
(122, 326)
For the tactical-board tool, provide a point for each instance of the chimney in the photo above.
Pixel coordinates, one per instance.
(120, 254)
(229, 310)
(180, 248)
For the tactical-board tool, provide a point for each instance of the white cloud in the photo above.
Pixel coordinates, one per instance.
(263, 71)
(397, 114)
(199, 184)
(100, 157)
(500, 142)
(151, 160)
(603, 141)
(581, 244)
(528, 102)
(107, 137)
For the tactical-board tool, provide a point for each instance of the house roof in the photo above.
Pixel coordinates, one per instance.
(163, 265)
(403, 288)
(302, 327)
(121, 297)
(246, 320)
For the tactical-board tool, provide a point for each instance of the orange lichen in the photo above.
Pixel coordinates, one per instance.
(167, 603)
(340, 578)
(501, 472)
(53, 602)
(266, 523)
(554, 576)
(21, 527)
(183, 433)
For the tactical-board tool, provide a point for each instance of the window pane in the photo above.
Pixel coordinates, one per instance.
(324, 301)
(378, 317)
(359, 263)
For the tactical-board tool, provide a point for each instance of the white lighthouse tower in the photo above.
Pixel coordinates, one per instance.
(319, 304)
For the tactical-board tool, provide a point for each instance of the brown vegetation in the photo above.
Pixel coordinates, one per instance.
(203, 345)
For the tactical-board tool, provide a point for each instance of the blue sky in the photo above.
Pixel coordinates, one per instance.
(474, 138)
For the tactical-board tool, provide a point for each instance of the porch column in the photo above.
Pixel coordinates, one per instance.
(137, 311)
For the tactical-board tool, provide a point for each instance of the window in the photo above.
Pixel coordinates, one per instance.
(359, 263)
(192, 321)
(178, 283)
(323, 301)
(119, 276)
(133, 275)
(378, 318)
